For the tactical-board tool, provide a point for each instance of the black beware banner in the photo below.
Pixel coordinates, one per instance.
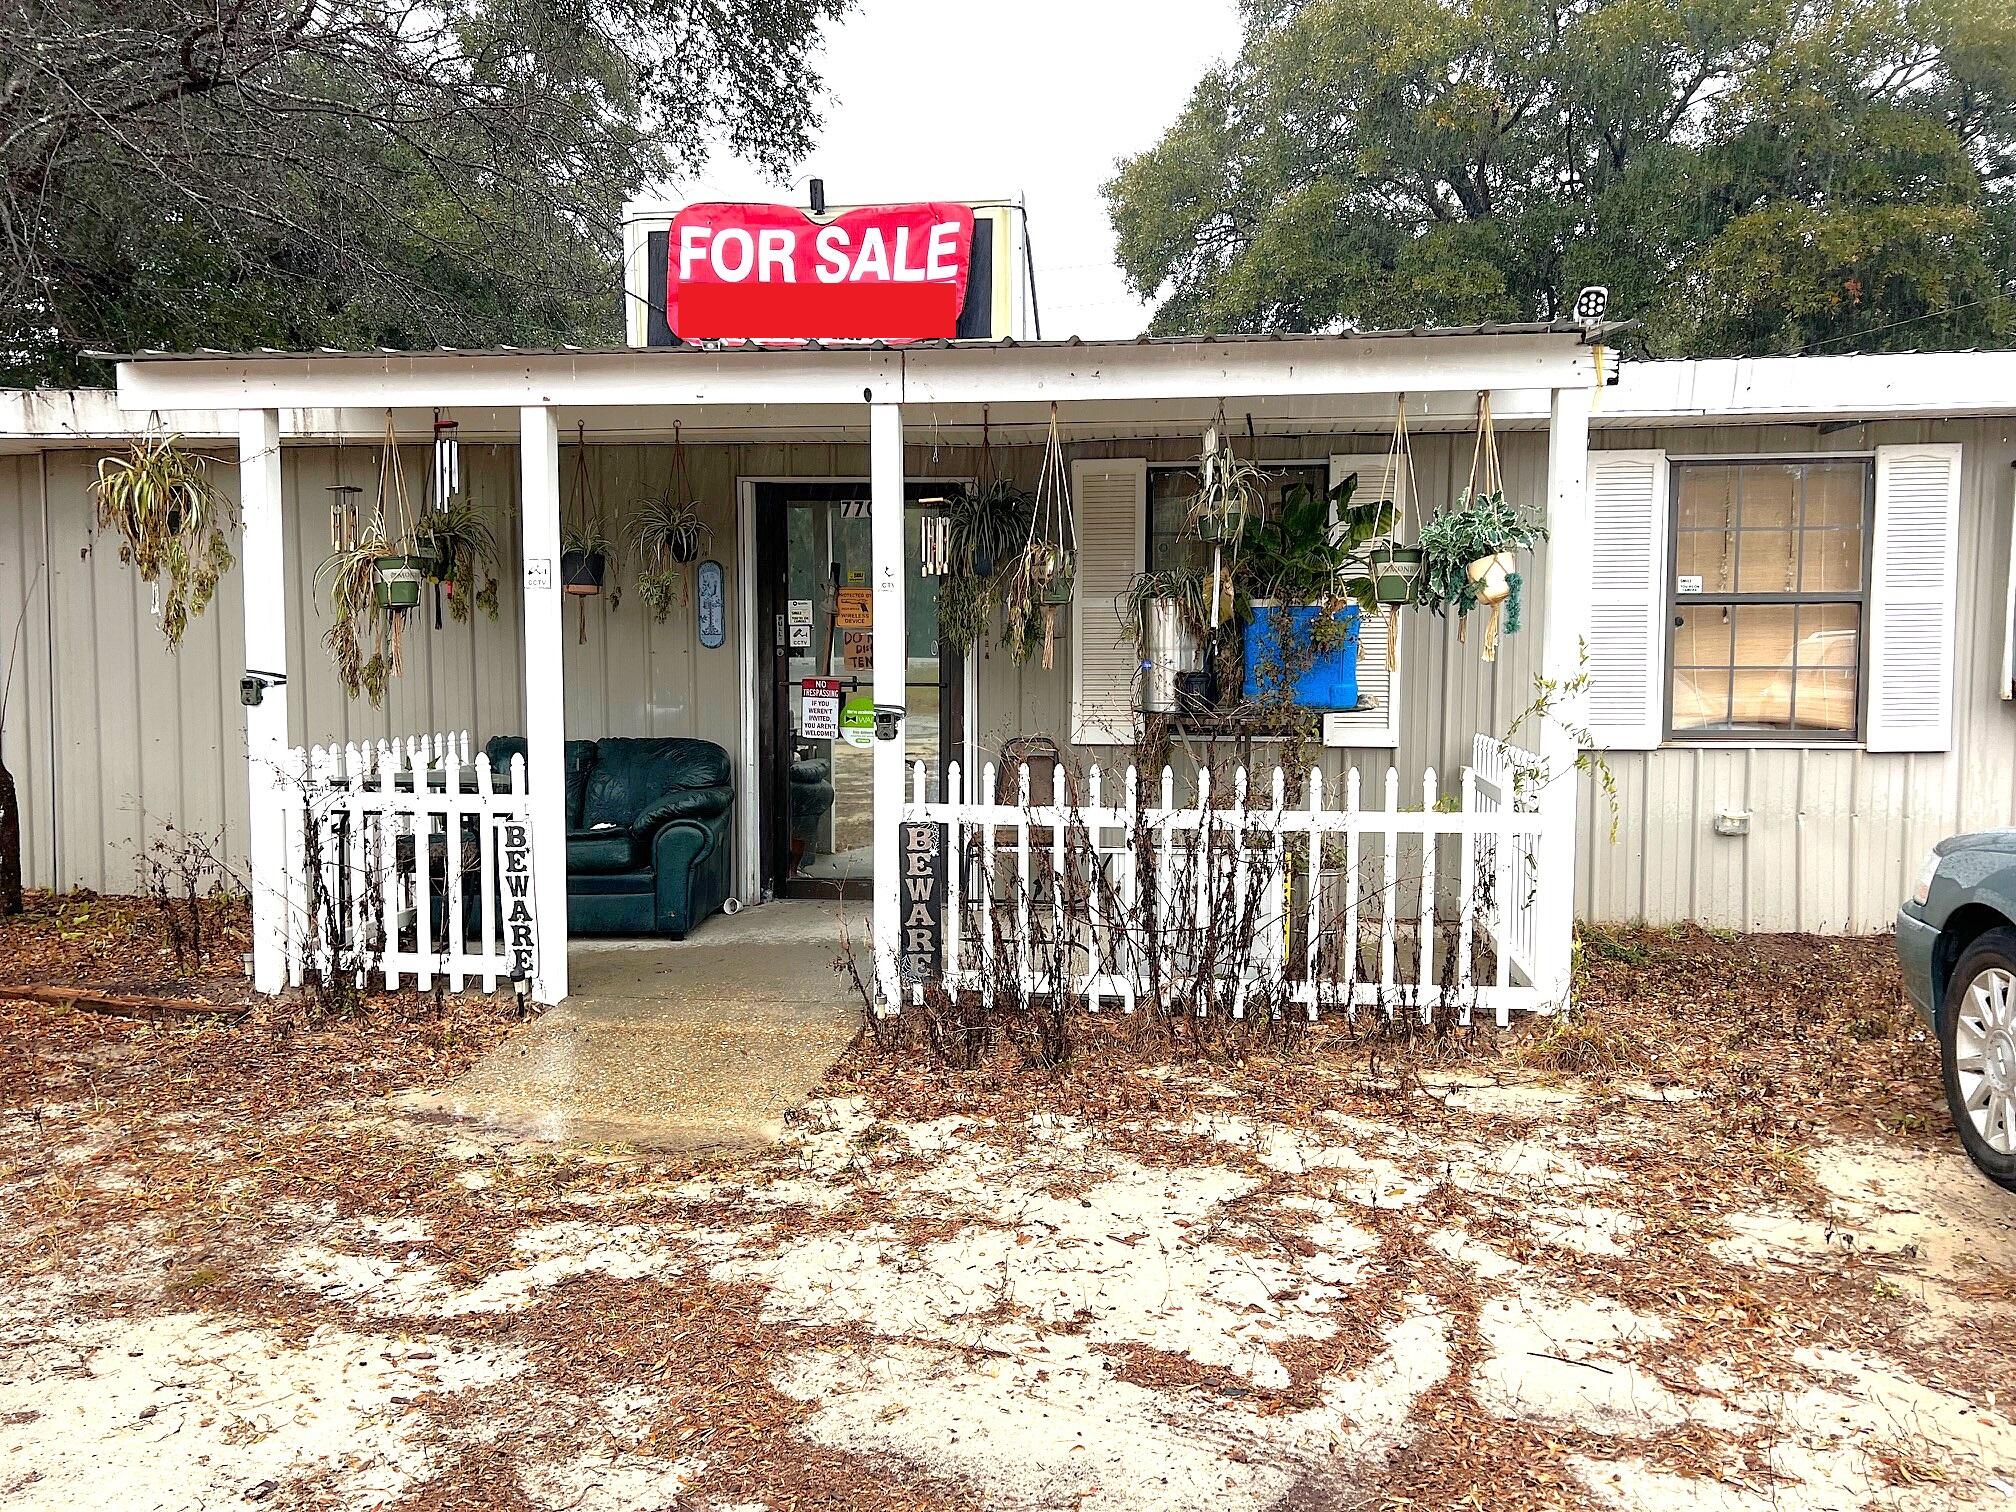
(921, 848)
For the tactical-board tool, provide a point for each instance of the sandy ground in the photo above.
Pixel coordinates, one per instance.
(1311, 1288)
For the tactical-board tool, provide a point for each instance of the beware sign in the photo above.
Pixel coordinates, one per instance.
(920, 848)
(773, 273)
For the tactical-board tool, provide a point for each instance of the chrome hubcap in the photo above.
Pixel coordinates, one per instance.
(1984, 1057)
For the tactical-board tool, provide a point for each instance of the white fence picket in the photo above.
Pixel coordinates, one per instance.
(363, 884)
(1143, 927)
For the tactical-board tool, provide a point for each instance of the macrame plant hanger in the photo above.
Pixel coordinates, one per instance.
(1050, 559)
(1400, 473)
(587, 515)
(1487, 480)
(392, 487)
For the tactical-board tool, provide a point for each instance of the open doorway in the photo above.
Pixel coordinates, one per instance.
(815, 620)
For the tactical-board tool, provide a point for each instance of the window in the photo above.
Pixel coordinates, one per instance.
(1170, 490)
(1769, 599)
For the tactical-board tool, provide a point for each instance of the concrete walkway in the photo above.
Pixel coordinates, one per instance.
(685, 1044)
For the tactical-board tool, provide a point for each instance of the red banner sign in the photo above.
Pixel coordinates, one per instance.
(773, 273)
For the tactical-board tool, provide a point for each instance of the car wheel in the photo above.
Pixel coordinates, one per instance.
(1977, 1043)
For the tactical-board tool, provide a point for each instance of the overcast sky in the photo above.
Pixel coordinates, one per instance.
(932, 99)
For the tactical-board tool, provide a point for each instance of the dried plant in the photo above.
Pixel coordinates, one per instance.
(172, 523)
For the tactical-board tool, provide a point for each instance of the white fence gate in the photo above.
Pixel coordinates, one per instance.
(1420, 902)
(406, 858)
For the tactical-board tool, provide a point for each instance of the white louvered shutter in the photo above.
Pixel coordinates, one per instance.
(1911, 598)
(1627, 599)
(1111, 500)
(1376, 722)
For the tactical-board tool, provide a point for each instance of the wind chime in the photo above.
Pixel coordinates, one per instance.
(1050, 558)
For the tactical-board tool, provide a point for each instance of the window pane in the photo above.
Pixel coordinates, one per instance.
(1768, 496)
(1169, 493)
(1700, 698)
(1835, 493)
(1700, 635)
(1830, 561)
(1761, 698)
(1710, 557)
(1707, 498)
(1764, 634)
(1827, 699)
(1830, 636)
(1764, 562)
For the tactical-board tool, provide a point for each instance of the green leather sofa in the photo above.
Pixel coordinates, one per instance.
(650, 832)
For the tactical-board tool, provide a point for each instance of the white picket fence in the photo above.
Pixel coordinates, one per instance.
(1404, 905)
(404, 859)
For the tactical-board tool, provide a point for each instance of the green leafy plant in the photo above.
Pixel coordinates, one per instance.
(1478, 528)
(171, 521)
(1299, 557)
(666, 536)
(1229, 494)
(987, 526)
(456, 541)
(1188, 587)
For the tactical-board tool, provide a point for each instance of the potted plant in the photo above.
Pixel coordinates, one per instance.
(667, 537)
(584, 558)
(363, 638)
(1229, 492)
(171, 521)
(1307, 582)
(1042, 576)
(1166, 611)
(454, 541)
(1468, 561)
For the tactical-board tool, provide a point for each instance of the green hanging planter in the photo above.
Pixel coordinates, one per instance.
(1395, 572)
(399, 580)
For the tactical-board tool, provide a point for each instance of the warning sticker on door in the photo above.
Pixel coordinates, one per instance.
(819, 709)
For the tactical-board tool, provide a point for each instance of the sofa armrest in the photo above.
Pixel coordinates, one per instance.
(681, 803)
(692, 865)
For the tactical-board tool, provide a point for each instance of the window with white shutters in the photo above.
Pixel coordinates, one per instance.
(1627, 641)
(1911, 605)
(1375, 723)
(1110, 496)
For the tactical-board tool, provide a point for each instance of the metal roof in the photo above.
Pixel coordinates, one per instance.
(1588, 332)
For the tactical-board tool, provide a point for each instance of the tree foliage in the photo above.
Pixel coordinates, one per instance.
(1747, 176)
(359, 172)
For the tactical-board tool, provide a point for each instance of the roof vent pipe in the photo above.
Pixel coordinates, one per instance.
(818, 192)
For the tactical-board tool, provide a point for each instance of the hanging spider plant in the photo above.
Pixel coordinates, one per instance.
(455, 541)
(667, 537)
(172, 523)
(363, 636)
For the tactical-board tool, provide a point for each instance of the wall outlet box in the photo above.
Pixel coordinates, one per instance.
(1732, 822)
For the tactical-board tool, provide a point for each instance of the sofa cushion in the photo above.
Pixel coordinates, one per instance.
(631, 773)
(682, 803)
(609, 850)
(580, 758)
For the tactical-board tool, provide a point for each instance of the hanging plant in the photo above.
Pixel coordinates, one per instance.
(668, 536)
(172, 523)
(456, 541)
(987, 522)
(374, 572)
(1467, 551)
(1229, 491)
(1040, 581)
(585, 549)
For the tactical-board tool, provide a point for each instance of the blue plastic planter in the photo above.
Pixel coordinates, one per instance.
(1332, 679)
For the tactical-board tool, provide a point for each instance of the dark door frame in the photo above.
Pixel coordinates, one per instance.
(775, 746)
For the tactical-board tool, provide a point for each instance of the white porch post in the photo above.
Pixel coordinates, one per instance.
(1564, 634)
(265, 722)
(545, 694)
(891, 649)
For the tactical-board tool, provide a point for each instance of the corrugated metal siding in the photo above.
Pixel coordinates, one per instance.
(141, 737)
(26, 721)
(1836, 835)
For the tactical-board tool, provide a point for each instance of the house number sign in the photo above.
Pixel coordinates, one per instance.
(712, 601)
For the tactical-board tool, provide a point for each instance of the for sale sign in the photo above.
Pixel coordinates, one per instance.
(773, 273)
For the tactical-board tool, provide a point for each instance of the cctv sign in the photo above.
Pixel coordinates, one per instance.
(773, 273)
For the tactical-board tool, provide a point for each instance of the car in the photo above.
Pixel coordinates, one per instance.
(1956, 940)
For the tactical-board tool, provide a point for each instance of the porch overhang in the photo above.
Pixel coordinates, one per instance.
(820, 378)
